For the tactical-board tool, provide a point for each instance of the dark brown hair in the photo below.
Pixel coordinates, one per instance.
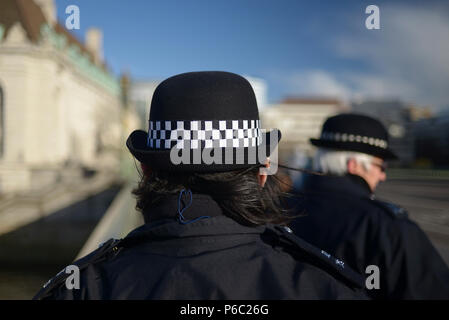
(238, 193)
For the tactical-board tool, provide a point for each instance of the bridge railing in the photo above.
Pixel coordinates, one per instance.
(21, 209)
(117, 222)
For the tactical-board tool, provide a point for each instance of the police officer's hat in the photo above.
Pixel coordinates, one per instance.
(355, 132)
(210, 110)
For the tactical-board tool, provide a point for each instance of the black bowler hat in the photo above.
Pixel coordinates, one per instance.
(355, 132)
(194, 111)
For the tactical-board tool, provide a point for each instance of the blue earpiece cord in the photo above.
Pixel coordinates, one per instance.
(181, 211)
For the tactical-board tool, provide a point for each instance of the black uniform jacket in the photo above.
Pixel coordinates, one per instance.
(344, 218)
(209, 258)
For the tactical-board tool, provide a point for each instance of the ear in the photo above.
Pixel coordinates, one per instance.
(263, 176)
(352, 166)
(262, 179)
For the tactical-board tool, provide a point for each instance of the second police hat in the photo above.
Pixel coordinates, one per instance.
(355, 132)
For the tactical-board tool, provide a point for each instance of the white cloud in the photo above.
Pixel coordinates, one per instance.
(408, 59)
(378, 86)
(319, 83)
(347, 86)
(409, 55)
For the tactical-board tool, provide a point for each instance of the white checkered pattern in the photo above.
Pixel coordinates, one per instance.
(200, 134)
(347, 137)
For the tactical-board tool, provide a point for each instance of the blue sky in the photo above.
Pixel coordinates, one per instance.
(300, 48)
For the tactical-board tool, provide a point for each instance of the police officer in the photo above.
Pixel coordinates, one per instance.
(343, 216)
(213, 229)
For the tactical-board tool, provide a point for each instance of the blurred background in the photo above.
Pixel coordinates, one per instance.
(70, 98)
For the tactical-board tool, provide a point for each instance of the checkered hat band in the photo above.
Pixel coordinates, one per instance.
(349, 137)
(200, 134)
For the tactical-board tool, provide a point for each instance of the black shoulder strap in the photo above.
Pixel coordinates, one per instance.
(395, 211)
(105, 249)
(318, 257)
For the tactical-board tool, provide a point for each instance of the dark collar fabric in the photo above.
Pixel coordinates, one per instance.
(169, 208)
(203, 218)
(214, 226)
(348, 184)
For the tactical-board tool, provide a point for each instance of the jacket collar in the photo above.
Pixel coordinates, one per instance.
(348, 184)
(187, 206)
(213, 227)
(203, 217)
(167, 235)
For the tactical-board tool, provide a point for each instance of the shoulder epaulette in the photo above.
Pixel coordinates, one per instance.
(321, 258)
(394, 210)
(104, 250)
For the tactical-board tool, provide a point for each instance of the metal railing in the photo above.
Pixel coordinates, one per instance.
(117, 222)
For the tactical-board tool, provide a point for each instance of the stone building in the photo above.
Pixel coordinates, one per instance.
(59, 105)
(299, 119)
(141, 93)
